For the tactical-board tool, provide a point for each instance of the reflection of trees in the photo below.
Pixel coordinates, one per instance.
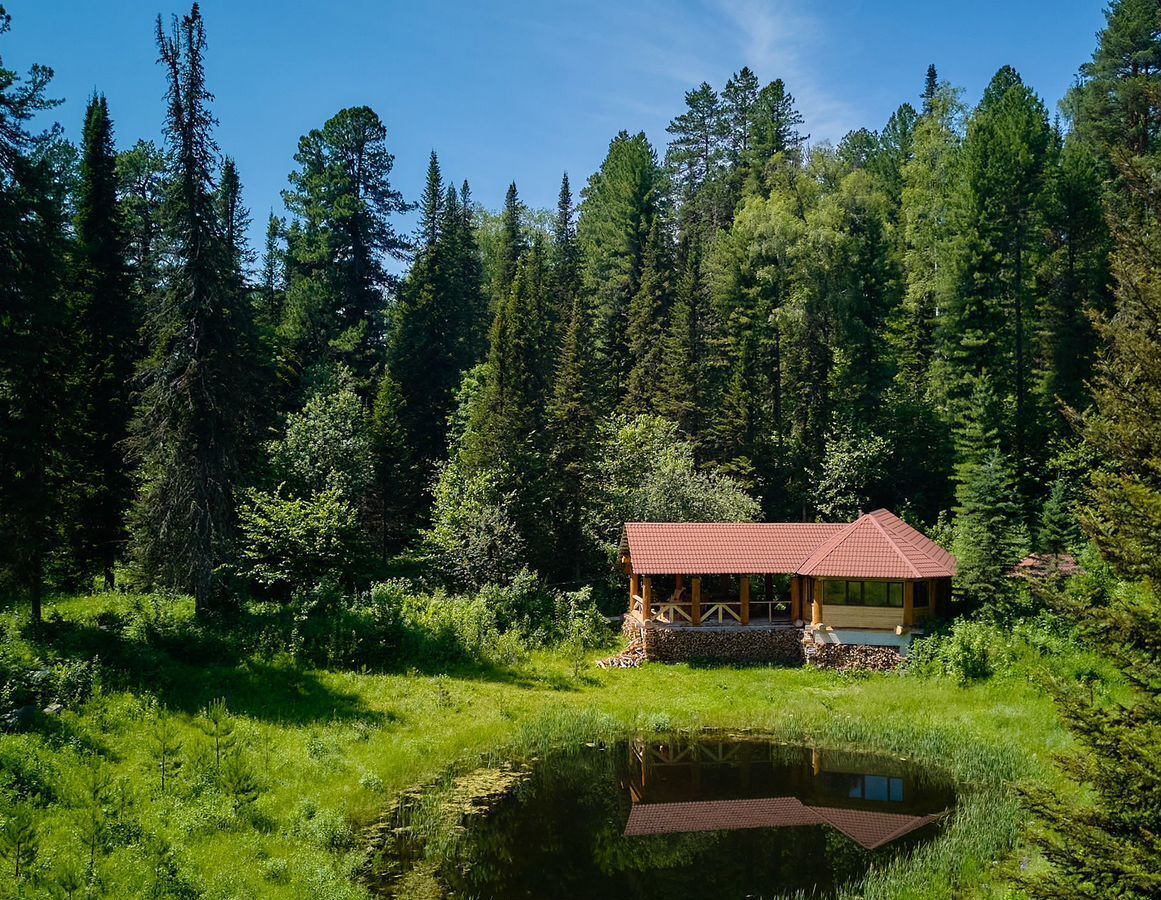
(560, 833)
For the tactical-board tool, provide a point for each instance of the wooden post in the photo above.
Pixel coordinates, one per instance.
(815, 604)
(634, 589)
(695, 601)
(796, 598)
(745, 596)
(908, 604)
(646, 598)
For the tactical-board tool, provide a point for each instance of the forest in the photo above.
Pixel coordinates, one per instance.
(361, 449)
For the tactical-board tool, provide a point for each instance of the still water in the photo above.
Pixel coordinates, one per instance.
(674, 819)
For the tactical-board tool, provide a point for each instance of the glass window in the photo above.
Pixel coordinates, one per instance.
(834, 592)
(875, 593)
(855, 593)
(921, 593)
(895, 593)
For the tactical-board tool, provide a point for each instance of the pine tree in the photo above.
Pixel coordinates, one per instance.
(739, 100)
(342, 201)
(776, 135)
(646, 328)
(1116, 105)
(273, 285)
(34, 352)
(192, 429)
(925, 233)
(108, 343)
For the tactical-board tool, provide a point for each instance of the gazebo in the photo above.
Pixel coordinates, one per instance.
(872, 581)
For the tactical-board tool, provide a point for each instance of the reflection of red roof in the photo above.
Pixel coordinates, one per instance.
(876, 545)
(869, 829)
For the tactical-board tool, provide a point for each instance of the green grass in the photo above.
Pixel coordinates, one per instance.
(329, 750)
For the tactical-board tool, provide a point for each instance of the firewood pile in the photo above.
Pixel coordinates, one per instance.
(740, 645)
(853, 657)
(629, 658)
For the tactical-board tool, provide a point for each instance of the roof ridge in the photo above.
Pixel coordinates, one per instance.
(894, 546)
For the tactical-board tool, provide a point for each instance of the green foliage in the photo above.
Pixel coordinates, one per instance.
(192, 428)
(291, 543)
(855, 463)
(19, 842)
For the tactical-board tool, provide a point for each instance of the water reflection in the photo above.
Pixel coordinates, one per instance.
(699, 785)
(679, 818)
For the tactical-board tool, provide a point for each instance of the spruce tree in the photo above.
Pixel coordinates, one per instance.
(646, 328)
(681, 388)
(107, 324)
(996, 217)
(192, 429)
(1107, 846)
(621, 201)
(512, 244)
(572, 434)
(566, 257)
(930, 89)
(34, 351)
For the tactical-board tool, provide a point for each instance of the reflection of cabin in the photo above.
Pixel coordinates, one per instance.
(872, 581)
(733, 785)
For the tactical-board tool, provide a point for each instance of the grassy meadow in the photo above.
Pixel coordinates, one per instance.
(276, 799)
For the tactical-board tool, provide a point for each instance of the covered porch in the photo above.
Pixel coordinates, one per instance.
(697, 601)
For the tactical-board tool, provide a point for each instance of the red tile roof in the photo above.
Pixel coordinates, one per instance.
(870, 829)
(722, 548)
(876, 545)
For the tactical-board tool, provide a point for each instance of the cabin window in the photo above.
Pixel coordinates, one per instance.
(921, 593)
(863, 593)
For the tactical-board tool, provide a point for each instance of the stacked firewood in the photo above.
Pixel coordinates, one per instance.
(629, 658)
(853, 657)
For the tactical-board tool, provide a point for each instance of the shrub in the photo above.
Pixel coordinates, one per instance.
(297, 542)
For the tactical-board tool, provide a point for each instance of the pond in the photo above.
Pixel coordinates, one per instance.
(683, 817)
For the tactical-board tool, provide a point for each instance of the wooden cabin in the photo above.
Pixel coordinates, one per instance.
(873, 581)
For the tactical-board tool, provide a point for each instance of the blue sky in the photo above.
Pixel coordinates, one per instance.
(525, 90)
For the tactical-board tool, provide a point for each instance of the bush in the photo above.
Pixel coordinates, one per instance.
(296, 542)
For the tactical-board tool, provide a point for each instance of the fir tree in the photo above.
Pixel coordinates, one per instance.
(1108, 847)
(108, 343)
(930, 89)
(680, 389)
(566, 257)
(34, 352)
(620, 204)
(192, 429)
(646, 328)
(512, 244)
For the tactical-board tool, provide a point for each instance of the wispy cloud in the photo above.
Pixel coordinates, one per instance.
(781, 38)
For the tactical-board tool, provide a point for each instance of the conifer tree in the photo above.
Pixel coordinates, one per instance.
(621, 201)
(1116, 104)
(776, 135)
(566, 257)
(572, 433)
(192, 429)
(342, 201)
(680, 389)
(996, 221)
(930, 89)
(141, 172)
(431, 206)
(107, 326)
(512, 244)
(1108, 847)
(646, 328)
(34, 377)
